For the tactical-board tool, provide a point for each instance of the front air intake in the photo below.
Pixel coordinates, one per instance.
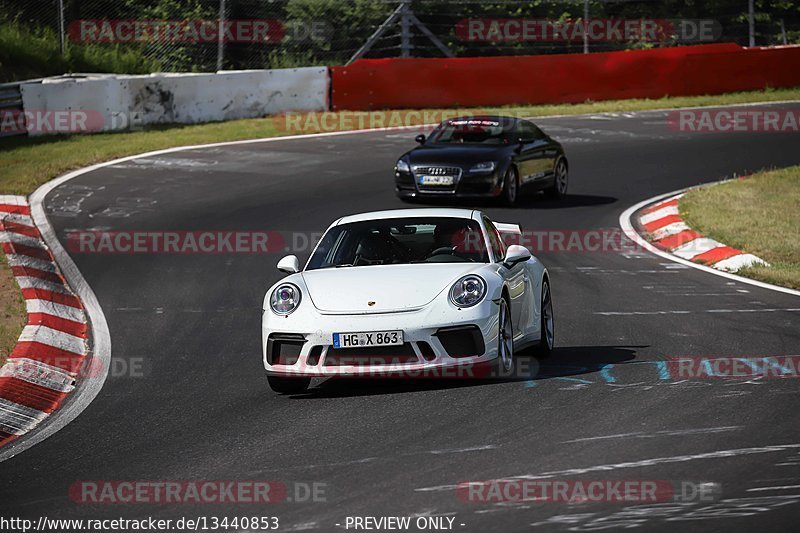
(284, 348)
(461, 341)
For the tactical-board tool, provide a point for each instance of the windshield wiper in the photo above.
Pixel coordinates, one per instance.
(335, 266)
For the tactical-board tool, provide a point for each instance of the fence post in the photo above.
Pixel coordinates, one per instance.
(585, 26)
(751, 20)
(221, 36)
(61, 34)
(405, 30)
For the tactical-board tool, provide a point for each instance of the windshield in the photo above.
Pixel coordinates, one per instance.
(399, 241)
(473, 131)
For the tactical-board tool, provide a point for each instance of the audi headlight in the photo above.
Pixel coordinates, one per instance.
(468, 291)
(285, 299)
(484, 167)
(402, 166)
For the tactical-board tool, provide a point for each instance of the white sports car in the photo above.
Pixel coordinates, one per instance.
(409, 292)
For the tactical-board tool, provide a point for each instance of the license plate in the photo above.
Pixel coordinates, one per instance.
(368, 339)
(436, 180)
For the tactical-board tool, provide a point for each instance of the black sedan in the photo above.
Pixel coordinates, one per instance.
(484, 156)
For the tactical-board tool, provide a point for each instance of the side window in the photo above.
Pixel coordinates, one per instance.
(529, 130)
(495, 241)
(526, 131)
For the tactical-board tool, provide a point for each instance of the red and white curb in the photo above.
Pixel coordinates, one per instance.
(43, 367)
(666, 230)
(626, 222)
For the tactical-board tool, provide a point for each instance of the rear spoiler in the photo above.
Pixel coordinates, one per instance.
(511, 230)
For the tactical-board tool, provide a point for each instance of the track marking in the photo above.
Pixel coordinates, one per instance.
(665, 433)
(784, 487)
(636, 313)
(721, 454)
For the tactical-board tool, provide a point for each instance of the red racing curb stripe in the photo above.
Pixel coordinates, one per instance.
(38, 253)
(36, 273)
(37, 376)
(17, 209)
(661, 205)
(30, 395)
(20, 229)
(66, 360)
(49, 356)
(661, 222)
(6, 437)
(707, 251)
(716, 255)
(679, 239)
(49, 296)
(71, 327)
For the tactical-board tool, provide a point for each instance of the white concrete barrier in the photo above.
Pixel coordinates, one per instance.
(104, 99)
(127, 102)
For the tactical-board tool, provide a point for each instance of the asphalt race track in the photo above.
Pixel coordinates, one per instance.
(199, 408)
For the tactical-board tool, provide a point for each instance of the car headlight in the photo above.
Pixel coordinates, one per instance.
(468, 291)
(487, 166)
(402, 166)
(285, 299)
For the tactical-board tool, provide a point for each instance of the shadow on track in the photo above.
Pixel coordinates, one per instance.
(563, 362)
(526, 201)
(538, 201)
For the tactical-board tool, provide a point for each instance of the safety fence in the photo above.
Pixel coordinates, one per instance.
(370, 84)
(94, 103)
(211, 35)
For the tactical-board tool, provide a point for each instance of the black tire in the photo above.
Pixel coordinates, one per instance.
(510, 187)
(288, 385)
(548, 338)
(561, 181)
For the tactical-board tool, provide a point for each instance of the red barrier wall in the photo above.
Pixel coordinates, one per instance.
(472, 82)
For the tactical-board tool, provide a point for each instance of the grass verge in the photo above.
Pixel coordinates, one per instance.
(26, 163)
(760, 215)
(12, 311)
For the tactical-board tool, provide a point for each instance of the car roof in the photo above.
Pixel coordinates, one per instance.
(495, 118)
(412, 212)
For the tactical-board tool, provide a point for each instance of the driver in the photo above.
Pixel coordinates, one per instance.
(455, 235)
(374, 249)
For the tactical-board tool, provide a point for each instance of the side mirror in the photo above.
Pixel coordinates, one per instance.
(521, 142)
(289, 264)
(516, 254)
(420, 138)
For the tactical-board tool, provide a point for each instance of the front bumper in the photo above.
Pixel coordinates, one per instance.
(434, 347)
(466, 185)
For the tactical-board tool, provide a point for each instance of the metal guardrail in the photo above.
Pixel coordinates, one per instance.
(10, 102)
(10, 96)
